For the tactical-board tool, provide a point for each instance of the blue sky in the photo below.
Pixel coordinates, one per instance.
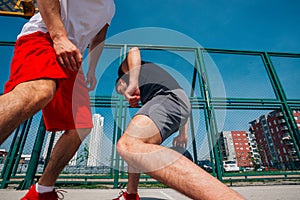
(235, 24)
(232, 24)
(260, 25)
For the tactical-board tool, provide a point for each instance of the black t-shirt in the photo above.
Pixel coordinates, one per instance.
(152, 79)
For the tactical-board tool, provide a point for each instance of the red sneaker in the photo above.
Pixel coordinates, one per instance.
(32, 194)
(126, 196)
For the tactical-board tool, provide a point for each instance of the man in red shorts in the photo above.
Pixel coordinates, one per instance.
(46, 74)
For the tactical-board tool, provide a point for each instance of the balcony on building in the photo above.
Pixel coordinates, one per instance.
(279, 114)
(281, 121)
(286, 136)
(289, 143)
(292, 151)
(284, 128)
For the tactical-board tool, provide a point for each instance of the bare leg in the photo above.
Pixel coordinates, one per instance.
(168, 166)
(64, 150)
(22, 102)
(133, 181)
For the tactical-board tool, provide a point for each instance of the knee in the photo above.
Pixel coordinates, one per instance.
(124, 146)
(37, 93)
(121, 147)
(44, 91)
(83, 133)
(127, 146)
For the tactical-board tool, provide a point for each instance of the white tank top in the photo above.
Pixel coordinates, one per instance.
(83, 19)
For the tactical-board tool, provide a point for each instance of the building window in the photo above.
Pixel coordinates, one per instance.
(269, 137)
(286, 157)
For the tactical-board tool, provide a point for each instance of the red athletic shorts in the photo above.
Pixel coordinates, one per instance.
(34, 58)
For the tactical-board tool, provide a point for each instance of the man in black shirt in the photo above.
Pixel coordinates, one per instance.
(165, 110)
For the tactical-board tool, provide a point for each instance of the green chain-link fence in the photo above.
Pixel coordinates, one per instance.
(245, 114)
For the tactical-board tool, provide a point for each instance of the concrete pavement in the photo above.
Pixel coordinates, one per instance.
(267, 192)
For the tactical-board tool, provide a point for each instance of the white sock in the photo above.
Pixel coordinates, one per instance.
(43, 189)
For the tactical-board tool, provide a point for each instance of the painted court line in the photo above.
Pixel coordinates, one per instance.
(168, 196)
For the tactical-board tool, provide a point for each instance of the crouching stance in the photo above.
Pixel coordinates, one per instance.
(165, 110)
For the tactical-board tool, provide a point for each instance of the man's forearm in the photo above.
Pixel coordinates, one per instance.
(94, 55)
(96, 48)
(50, 12)
(183, 131)
(134, 65)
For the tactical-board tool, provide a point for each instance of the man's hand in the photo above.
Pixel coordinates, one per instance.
(180, 141)
(68, 55)
(91, 80)
(132, 95)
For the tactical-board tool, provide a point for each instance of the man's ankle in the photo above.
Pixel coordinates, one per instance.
(131, 192)
(43, 189)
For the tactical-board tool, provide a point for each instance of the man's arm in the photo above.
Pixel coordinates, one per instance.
(134, 66)
(95, 51)
(67, 53)
(132, 93)
(182, 139)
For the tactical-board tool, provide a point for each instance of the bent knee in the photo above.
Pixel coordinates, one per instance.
(83, 132)
(120, 146)
(86, 131)
(127, 144)
(123, 146)
(45, 90)
(36, 93)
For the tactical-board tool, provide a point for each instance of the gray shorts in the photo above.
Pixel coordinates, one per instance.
(169, 110)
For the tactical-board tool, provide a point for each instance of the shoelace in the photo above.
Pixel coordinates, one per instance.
(59, 194)
(121, 193)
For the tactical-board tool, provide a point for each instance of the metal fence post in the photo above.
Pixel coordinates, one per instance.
(35, 155)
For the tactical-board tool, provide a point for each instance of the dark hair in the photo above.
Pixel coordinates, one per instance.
(120, 71)
(121, 74)
(116, 84)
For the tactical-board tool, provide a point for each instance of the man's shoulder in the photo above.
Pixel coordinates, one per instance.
(145, 62)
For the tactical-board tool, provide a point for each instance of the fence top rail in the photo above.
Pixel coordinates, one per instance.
(278, 173)
(186, 48)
